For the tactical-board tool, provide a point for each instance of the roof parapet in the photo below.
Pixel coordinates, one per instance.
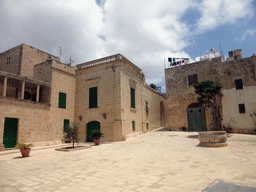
(105, 60)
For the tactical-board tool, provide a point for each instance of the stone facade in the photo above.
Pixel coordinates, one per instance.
(33, 83)
(180, 94)
(114, 76)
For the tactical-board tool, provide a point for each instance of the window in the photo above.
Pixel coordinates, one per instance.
(239, 84)
(8, 61)
(133, 125)
(192, 79)
(93, 97)
(132, 98)
(147, 108)
(241, 108)
(147, 126)
(62, 100)
(65, 125)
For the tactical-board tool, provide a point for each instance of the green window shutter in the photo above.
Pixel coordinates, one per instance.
(132, 98)
(133, 125)
(93, 97)
(62, 100)
(66, 123)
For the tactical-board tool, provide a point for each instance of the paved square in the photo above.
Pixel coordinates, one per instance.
(157, 161)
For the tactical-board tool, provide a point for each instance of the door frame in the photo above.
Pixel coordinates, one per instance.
(7, 133)
(98, 127)
(198, 111)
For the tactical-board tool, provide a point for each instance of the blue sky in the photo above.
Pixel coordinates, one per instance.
(145, 32)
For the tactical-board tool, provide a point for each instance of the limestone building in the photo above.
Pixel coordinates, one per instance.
(236, 75)
(39, 95)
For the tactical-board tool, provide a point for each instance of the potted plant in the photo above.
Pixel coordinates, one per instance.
(24, 149)
(229, 129)
(207, 94)
(96, 135)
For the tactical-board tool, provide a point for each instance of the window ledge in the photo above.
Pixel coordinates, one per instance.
(133, 110)
(93, 108)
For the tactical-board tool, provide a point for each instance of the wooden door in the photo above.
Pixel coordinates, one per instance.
(93, 125)
(196, 119)
(10, 132)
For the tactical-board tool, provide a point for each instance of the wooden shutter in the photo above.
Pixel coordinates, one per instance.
(133, 125)
(132, 98)
(93, 97)
(66, 123)
(62, 100)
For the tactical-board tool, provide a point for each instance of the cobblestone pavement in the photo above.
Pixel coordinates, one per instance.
(157, 161)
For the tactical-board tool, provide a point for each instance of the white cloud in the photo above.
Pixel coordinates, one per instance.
(248, 32)
(145, 31)
(219, 12)
(49, 25)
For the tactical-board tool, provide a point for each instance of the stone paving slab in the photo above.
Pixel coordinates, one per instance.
(157, 161)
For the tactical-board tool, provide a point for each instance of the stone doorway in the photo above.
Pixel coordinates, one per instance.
(93, 125)
(196, 117)
(10, 132)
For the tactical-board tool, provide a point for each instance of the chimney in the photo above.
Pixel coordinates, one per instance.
(238, 54)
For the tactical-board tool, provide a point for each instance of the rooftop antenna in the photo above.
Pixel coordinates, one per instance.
(221, 53)
(70, 60)
(60, 51)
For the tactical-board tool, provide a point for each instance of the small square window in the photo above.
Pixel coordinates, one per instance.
(239, 84)
(8, 61)
(241, 108)
(133, 125)
(192, 79)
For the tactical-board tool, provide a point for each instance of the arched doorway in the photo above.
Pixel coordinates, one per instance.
(93, 125)
(162, 116)
(196, 117)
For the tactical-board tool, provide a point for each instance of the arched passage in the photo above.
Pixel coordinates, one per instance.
(93, 125)
(162, 115)
(196, 117)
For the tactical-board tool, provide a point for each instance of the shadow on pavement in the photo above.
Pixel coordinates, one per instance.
(193, 136)
(164, 129)
(19, 157)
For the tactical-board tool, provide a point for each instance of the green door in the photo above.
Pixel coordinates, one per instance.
(93, 125)
(196, 119)
(10, 132)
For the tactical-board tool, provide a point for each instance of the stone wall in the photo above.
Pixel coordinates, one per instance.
(113, 80)
(22, 60)
(106, 77)
(130, 78)
(155, 115)
(34, 125)
(134, 78)
(32, 56)
(180, 94)
(10, 60)
(42, 123)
